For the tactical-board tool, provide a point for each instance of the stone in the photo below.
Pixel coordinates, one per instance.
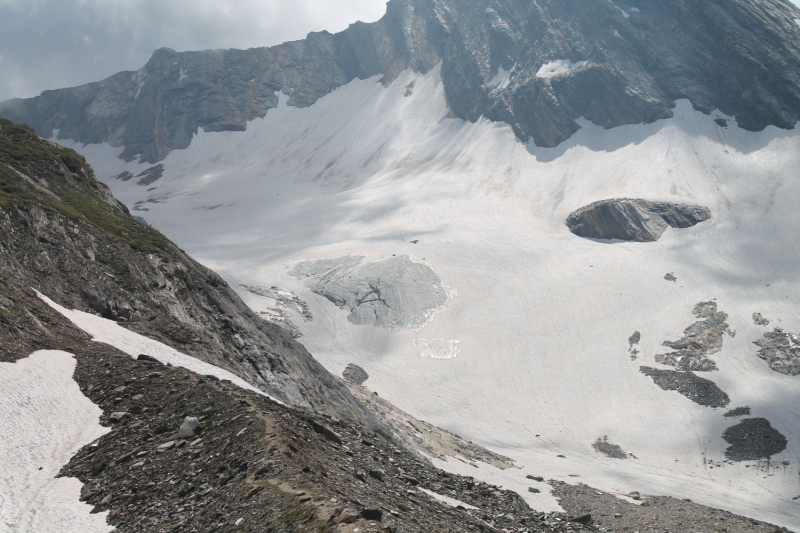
(253, 491)
(117, 416)
(326, 432)
(166, 446)
(190, 427)
(700, 390)
(185, 490)
(145, 357)
(344, 518)
(534, 490)
(372, 514)
(98, 468)
(583, 519)
(540, 479)
(376, 474)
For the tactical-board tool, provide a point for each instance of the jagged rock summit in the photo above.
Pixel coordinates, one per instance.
(537, 66)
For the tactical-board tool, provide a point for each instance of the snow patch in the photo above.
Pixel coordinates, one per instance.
(557, 67)
(502, 79)
(182, 75)
(624, 13)
(437, 348)
(133, 344)
(452, 502)
(45, 420)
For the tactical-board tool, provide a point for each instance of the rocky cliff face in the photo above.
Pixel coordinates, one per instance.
(62, 233)
(537, 65)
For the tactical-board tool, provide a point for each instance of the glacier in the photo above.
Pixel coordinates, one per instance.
(542, 316)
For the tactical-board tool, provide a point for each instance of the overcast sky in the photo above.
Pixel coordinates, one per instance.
(49, 44)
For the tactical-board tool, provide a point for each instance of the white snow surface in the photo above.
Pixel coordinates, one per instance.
(125, 340)
(502, 79)
(45, 419)
(624, 13)
(542, 316)
(557, 67)
(452, 502)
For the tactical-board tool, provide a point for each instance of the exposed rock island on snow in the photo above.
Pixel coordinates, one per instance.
(633, 220)
(394, 293)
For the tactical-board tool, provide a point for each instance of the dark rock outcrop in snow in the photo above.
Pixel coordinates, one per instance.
(355, 374)
(700, 390)
(739, 411)
(394, 293)
(753, 439)
(781, 351)
(609, 449)
(701, 339)
(628, 219)
(537, 66)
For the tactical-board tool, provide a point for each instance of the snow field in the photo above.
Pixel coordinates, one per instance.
(45, 419)
(111, 333)
(541, 316)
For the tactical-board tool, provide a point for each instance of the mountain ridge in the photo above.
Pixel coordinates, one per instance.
(627, 62)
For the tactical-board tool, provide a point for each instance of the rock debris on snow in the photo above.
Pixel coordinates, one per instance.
(701, 339)
(609, 449)
(781, 351)
(759, 320)
(753, 439)
(700, 390)
(355, 374)
(739, 411)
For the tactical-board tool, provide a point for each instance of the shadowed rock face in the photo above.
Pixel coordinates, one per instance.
(633, 220)
(534, 65)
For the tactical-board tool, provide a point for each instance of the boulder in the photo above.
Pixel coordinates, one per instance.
(629, 219)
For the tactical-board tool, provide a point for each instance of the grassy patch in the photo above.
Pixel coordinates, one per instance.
(69, 177)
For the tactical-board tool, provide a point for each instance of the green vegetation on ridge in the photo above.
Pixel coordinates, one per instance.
(35, 172)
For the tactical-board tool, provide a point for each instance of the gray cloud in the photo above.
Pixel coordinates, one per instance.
(48, 44)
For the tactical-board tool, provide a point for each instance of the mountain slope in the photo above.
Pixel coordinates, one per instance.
(66, 236)
(390, 214)
(534, 354)
(628, 62)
